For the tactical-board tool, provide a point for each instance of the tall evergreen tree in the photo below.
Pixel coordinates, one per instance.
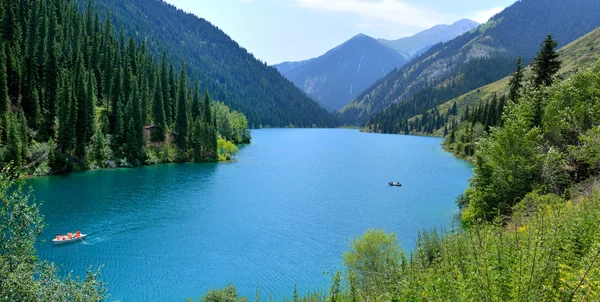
(181, 119)
(196, 103)
(66, 129)
(516, 82)
(546, 64)
(4, 99)
(13, 140)
(164, 81)
(158, 112)
(51, 73)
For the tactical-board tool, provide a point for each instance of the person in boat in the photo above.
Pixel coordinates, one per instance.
(77, 234)
(64, 237)
(58, 237)
(69, 235)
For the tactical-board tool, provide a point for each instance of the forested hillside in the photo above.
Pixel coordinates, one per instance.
(481, 56)
(72, 95)
(224, 68)
(439, 121)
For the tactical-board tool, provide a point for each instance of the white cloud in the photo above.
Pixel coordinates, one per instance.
(389, 11)
(485, 15)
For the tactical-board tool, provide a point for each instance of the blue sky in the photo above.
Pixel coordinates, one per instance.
(292, 30)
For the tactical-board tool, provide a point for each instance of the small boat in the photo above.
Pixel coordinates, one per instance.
(61, 241)
(395, 184)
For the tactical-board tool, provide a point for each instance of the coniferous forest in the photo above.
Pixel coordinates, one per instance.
(74, 95)
(229, 72)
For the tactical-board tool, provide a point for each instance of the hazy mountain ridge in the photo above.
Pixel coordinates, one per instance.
(340, 75)
(419, 43)
(517, 31)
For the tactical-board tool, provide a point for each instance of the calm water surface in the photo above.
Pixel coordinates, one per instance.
(281, 215)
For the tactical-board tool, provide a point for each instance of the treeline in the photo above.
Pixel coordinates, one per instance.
(474, 123)
(223, 67)
(72, 94)
(397, 118)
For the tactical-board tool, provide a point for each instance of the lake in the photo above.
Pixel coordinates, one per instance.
(281, 214)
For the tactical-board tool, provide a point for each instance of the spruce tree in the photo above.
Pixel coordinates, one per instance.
(546, 64)
(50, 77)
(515, 83)
(165, 86)
(172, 92)
(24, 135)
(13, 140)
(196, 105)
(4, 99)
(65, 128)
(80, 99)
(181, 119)
(158, 112)
(206, 108)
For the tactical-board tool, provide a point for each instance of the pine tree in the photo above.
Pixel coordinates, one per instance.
(80, 99)
(4, 99)
(50, 77)
(196, 105)
(546, 64)
(158, 112)
(172, 92)
(24, 135)
(515, 83)
(165, 86)
(13, 140)
(206, 108)
(135, 129)
(181, 119)
(65, 128)
(10, 26)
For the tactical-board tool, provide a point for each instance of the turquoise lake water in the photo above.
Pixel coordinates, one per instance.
(282, 214)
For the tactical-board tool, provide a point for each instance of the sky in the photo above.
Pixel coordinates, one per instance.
(293, 30)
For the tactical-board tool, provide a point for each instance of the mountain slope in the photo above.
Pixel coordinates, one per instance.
(338, 76)
(578, 55)
(415, 45)
(476, 58)
(224, 68)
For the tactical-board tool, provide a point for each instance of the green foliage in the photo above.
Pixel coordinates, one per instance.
(374, 259)
(232, 125)
(226, 149)
(548, 142)
(227, 294)
(22, 276)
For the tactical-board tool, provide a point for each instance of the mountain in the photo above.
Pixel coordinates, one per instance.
(578, 55)
(224, 68)
(476, 58)
(413, 46)
(338, 76)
